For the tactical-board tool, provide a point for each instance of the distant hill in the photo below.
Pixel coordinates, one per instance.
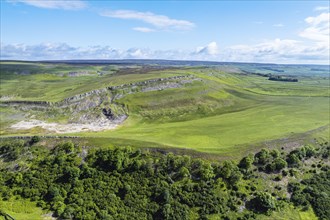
(263, 68)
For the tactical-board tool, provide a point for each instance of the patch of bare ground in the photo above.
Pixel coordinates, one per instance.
(65, 128)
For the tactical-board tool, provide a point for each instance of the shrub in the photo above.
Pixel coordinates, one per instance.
(34, 140)
(263, 203)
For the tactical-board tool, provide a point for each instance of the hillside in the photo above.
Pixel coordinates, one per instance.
(163, 140)
(220, 108)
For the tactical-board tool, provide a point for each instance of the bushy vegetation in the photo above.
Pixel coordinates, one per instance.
(283, 79)
(313, 192)
(126, 183)
(122, 183)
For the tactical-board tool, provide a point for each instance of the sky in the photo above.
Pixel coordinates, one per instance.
(295, 32)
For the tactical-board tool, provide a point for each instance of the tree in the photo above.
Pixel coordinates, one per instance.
(310, 151)
(34, 140)
(226, 169)
(275, 153)
(184, 172)
(206, 171)
(235, 177)
(230, 173)
(263, 203)
(280, 164)
(262, 156)
(167, 211)
(246, 162)
(293, 159)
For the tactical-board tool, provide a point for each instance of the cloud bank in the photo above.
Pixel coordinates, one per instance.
(273, 51)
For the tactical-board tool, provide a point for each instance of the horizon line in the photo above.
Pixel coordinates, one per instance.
(166, 60)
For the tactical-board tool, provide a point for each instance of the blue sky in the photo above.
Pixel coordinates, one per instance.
(240, 31)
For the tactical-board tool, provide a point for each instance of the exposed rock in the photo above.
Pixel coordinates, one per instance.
(65, 128)
(93, 110)
(80, 73)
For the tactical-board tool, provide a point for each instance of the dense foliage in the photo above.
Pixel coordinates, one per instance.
(126, 183)
(120, 183)
(315, 192)
(284, 79)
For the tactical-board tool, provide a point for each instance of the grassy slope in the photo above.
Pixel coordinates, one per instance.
(224, 113)
(51, 83)
(253, 118)
(22, 209)
(219, 134)
(290, 213)
(287, 213)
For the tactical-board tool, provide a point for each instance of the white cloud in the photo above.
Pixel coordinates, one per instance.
(272, 51)
(143, 29)
(318, 29)
(278, 25)
(54, 4)
(321, 8)
(137, 53)
(38, 51)
(158, 21)
(210, 49)
(278, 51)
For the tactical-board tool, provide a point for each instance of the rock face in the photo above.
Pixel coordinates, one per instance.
(96, 106)
(82, 96)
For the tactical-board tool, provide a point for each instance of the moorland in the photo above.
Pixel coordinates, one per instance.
(219, 138)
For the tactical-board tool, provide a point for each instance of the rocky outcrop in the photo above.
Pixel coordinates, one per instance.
(148, 82)
(150, 85)
(98, 106)
(42, 103)
(25, 105)
(80, 73)
(82, 96)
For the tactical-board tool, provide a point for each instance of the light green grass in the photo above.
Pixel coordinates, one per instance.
(227, 134)
(22, 209)
(49, 82)
(290, 213)
(220, 113)
(305, 87)
(46, 87)
(287, 213)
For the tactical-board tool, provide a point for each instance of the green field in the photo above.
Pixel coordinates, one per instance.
(229, 133)
(227, 114)
(22, 209)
